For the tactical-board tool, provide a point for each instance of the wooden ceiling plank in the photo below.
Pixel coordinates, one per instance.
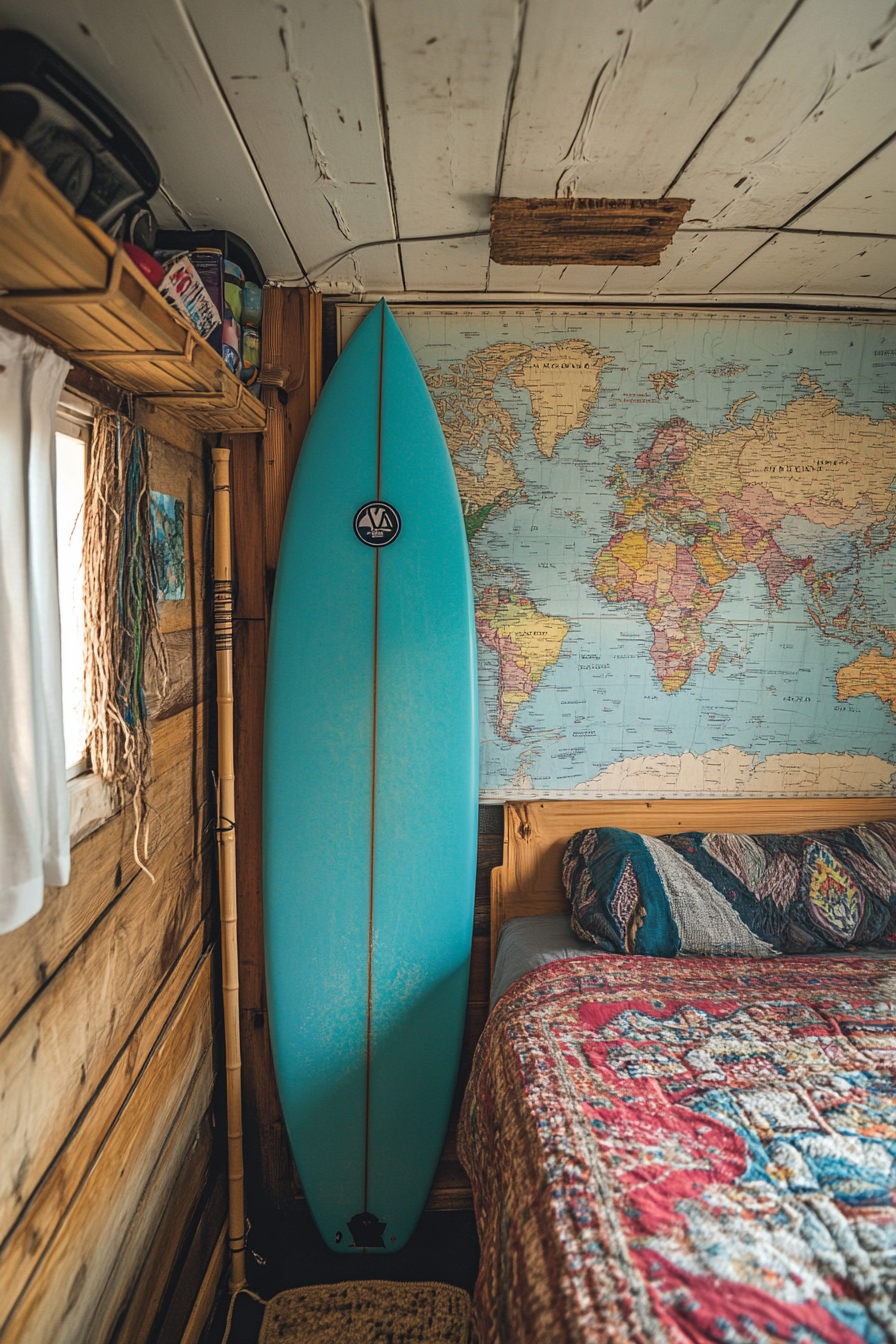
(866, 200)
(616, 108)
(693, 262)
(821, 100)
(548, 279)
(145, 59)
(445, 72)
(798, 264)
(301, 79)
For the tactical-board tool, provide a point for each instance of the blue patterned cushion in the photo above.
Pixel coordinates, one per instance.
(733, 895)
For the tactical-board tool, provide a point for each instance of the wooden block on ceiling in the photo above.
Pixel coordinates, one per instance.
(570, 232)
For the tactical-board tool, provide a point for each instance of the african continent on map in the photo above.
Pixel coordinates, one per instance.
(724, 496)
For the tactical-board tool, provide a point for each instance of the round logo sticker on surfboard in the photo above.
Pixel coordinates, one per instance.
(377, 524)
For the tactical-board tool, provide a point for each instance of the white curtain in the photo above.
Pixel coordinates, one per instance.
(34, 810)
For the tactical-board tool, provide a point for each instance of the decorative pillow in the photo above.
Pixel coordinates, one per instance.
(733, 895)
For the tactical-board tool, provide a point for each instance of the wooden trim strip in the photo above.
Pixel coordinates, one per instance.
(205, 1299)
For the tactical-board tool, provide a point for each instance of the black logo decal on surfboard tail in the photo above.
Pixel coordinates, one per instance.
(367, 1231)
(377, 524)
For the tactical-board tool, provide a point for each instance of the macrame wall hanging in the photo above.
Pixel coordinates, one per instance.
(122, 616)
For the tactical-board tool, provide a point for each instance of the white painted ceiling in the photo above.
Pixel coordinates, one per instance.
(312, 126)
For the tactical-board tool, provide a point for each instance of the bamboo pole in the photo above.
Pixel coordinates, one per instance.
(223, 610)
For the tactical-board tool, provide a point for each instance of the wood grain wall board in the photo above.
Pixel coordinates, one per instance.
(258, 498)
(137, 1322)
(26, 1242)
(103, 866)
(161, 424)
(204, 1302)
(301, 78)
(191, 672)
(148, 62)
(198, 1253)
(824, 265)
(868, 194)
(152, 1133)
(190, 610)
(446, 74)
(247, 492)
(480, 970)
(823, 98)
(194, 1128)
(56, 1055)
(489, 854)
(291, 339)
(617, 110)
(274, 1180)
(692, 263)
(172, 471)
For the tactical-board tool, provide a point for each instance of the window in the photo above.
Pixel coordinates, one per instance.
(73, 419)
(91, 801)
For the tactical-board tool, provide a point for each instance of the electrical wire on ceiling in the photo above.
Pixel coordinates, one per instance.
(317, 273)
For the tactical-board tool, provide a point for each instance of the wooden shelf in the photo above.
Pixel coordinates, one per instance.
(67, 281)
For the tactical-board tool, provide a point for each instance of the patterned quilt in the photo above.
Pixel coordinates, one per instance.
(687, 1150)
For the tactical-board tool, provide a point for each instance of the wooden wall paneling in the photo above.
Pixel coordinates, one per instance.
(21, 1250)
(191, 672)
(138, 1322)
(291, 342)
(193, 1129)
(451, 1186)
(205, 1298)
(618, 110)
(92, 1261)
(58, 1051)
(103, 866)
(199, 1251)
(301, 78)
(262, 475)
(176, 472)
(815, 265)
(822, 99)
(446, 74)
(247, 481)
(159, 423)
(182, 737)
(148, 62)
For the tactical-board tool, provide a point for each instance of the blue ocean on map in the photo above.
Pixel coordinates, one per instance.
(661, 612)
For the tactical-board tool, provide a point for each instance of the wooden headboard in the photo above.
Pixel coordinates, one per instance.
(535, 835)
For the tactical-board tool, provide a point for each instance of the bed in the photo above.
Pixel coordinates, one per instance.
(689, 1149)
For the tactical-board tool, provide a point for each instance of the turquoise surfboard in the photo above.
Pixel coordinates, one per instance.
(370, 796)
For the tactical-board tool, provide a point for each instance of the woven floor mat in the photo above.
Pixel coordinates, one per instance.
(369, 1312)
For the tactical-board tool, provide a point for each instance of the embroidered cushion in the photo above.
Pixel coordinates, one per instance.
(733, 895)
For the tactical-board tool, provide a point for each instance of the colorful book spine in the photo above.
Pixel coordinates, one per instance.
(208, 263)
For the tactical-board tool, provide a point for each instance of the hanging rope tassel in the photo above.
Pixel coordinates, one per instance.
(122, 616)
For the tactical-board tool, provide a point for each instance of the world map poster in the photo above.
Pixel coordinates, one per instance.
(682, 532)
